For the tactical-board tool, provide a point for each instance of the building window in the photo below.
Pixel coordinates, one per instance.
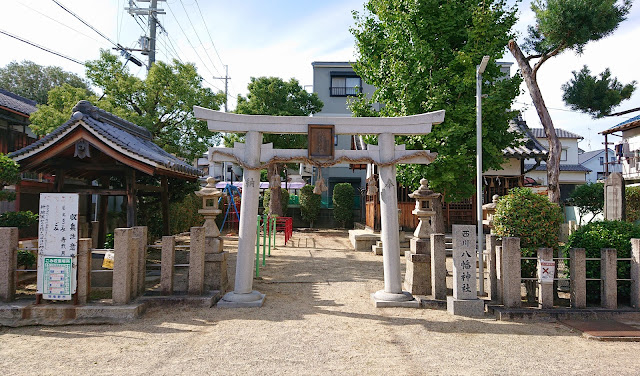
(345, 84)
(563, 155)
(601, 161)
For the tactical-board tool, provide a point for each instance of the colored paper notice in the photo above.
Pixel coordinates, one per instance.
(57, 273)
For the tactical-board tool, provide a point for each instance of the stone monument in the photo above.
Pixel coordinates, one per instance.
(464, 301)
(417, 279)
(215, 268)
(614, 200)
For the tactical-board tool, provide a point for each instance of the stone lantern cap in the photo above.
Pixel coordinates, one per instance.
(492, 205)
(423, 192)
(210, 190)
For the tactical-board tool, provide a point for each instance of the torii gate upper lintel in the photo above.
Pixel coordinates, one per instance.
(253, 153)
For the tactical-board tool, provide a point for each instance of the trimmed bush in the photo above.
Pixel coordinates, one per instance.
(533, 219)
(309, 204)
(343, 204)
(605, 234)
(19, 219)
(632, 195)
(284, 200)
(26, 259)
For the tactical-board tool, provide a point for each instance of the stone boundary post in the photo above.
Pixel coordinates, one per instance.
(140, 232)
(196, 261)
(578, 282)
(545, 290)
(609, 274)
(492, 242)
(168, 260)
(84, 270)
(95, 228)
(438, 267)
(122, 265)
(635, 273)
(511, 269)
(8, 262)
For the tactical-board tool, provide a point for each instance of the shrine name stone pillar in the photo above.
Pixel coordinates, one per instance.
(243, 293)
(389, 234)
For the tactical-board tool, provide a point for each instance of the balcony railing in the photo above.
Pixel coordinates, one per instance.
(341, 91)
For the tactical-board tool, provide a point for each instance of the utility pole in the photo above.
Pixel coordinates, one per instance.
(226, 79)
(147, 43)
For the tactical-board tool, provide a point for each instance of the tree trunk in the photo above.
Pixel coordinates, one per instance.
(555, 148)
(275, 204)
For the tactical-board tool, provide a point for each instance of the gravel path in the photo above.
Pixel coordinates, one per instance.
(317, 320)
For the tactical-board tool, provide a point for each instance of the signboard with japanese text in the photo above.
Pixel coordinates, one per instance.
(546, 270)
(57, 243)
(464, 262)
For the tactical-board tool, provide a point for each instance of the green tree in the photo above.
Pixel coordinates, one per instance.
(589, 198)
(421, 56)
(274, 96)
(10, 175)
(162, 103)
(34, 81)
(593, 95)
(562, 25)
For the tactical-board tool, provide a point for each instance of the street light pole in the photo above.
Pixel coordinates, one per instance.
(479, 71)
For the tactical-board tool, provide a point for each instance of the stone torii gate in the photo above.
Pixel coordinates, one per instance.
(253, 155)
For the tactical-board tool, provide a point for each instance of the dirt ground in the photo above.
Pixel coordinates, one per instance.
(317, 320)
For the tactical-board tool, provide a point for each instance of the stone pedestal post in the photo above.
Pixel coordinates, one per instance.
(635, 273)
(243, 294)
(491, 243)
(578, 275)
(8, 262)
(438, 267)
(122, 265)
(392, 294)
(511, 269)
(215, 265)
(84, 270)
(196, 261)
(140, 234)
(168, 260)
(545, 290)
(609, 275)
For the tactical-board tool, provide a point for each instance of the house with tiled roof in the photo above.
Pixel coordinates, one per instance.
(572, 173)
(14, 121)
(595, 161)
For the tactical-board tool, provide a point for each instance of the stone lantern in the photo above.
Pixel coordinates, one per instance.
(489, 211)
(210, 196)
(425, 202)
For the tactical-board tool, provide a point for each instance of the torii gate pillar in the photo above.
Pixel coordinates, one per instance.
(389, 233)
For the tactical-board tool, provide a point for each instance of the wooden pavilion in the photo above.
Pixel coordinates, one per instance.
(95, 145)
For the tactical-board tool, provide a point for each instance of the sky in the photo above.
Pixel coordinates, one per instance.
(281, 38)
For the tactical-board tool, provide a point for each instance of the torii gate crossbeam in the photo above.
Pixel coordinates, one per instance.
(252, 154)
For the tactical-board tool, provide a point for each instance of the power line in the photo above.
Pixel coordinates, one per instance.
(86, 23)
(189, 40)
(61, 23)
(40, 47)
(211, 39)
(198, 36)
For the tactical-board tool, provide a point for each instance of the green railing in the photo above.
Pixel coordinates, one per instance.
(266, 225)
